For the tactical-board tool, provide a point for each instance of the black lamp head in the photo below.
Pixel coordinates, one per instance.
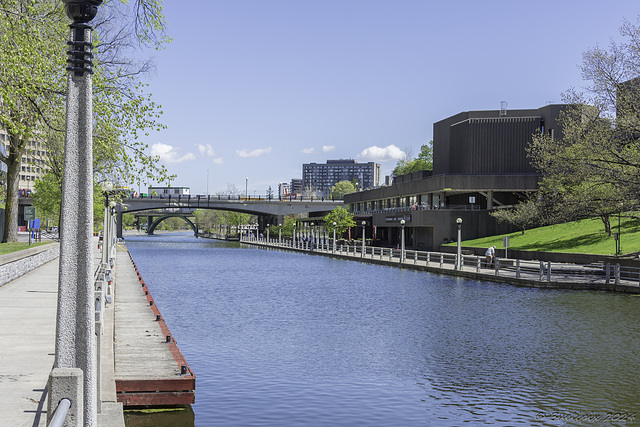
(81, 11)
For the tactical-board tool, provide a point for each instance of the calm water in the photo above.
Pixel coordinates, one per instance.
(279, 338)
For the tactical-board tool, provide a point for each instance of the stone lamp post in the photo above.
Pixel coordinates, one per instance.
(74, 375)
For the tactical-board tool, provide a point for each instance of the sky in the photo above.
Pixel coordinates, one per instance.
(252, 89)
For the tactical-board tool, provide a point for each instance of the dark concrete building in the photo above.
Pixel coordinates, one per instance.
(480, 164)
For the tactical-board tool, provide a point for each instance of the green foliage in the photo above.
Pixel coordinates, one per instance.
(592, 169)
(341, 188)
(424, 161)
(343, 219)
(47, 197)
(524, 215)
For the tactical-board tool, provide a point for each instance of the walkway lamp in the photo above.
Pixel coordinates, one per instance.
(334, 236)
(402, 252)
(459, 251)
(312, 237)
(279, 234)
(363, 237)
(268, 225)
(246, 188)
(75, 344)
(295, 243)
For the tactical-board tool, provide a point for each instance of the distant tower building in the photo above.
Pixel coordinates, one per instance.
(318, 178)
(296, 186)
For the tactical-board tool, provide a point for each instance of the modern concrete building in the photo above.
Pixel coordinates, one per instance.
(318, 178)
(480, 164)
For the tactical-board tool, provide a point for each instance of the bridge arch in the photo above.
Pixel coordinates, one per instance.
(152, 227)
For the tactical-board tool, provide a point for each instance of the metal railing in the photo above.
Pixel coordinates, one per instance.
(596, 274)
(60, 414)
(189, 199)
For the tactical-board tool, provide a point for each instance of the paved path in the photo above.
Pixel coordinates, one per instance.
(27, 337)
(28, 308)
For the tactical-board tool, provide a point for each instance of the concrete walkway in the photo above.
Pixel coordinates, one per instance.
(27, 333)
(28, 308)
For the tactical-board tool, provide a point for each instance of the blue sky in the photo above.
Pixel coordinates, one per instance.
(255, 88)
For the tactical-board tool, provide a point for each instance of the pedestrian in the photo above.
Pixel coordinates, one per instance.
(490, 254)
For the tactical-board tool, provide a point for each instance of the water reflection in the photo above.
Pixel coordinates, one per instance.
(279, 338)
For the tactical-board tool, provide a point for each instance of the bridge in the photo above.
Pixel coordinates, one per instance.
(270, 211)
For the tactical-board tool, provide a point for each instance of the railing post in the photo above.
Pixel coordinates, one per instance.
(617, 274)
(541, 271)
(518, 268)
(461, 264)
(66, 383)
(441, 260)
(428, 259)
(478, 264)
(497, 266)
(548, 271)
(608, 273)
(415, 257)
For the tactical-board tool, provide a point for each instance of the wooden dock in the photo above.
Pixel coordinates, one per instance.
(150, 370)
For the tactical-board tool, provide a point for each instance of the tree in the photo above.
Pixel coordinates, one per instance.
(341, 188)
(343, 219)
(33, 36)
(524, 215)
(424, 161)
(592, 169)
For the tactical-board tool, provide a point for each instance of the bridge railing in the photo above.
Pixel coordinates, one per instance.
(236, 197)
(597, 274)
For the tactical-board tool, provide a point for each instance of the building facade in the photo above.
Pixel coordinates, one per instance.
(480, 164)
(318, 178)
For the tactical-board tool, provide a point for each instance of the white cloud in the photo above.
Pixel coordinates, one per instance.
(308, 150)
(327, 148)
(218, 161)
(206, 150)
(253, 153)
(169, 153)
(382, 154)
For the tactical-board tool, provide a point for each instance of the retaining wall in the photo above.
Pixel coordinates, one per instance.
(16, 264)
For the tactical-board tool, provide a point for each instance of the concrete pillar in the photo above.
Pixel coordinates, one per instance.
(75, 327)
(490, 199)
(119, 221)
(66, 383)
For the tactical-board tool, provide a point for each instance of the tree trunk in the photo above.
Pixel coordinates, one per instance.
(607, 224)
(11, 208)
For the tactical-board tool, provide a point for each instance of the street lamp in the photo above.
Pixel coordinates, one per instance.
(268, 225)
(279, 234)
(363, 237)
(295, 244)
(246, 187)
(334, 236)
(75, 344)
(402, 253)
(312, 238)
(459, 251)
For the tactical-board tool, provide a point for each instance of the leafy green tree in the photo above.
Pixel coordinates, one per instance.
(33, 78)
(592, 169)
(341, 188)
(524, 215)
(424, 161)
(343, 219)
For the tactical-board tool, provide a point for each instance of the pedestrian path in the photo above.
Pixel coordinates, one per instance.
(27, 333)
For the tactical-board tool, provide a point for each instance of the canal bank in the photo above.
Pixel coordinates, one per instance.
(597, 275)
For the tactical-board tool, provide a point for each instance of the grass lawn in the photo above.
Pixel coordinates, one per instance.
(585, 236)
(7, 248)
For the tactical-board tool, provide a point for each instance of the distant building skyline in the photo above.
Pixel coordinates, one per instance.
(318, 178)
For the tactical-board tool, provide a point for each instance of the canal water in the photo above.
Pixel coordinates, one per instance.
(280, 338)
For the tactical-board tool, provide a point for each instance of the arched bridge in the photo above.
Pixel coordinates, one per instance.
(268, 210)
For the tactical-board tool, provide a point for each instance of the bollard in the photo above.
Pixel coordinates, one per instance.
(158, 318)
(183, 370)
(168, 338)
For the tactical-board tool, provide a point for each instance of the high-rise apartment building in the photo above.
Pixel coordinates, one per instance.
(318, 178)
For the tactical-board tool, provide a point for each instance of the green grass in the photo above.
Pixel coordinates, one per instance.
(585, 236)
(7, 248)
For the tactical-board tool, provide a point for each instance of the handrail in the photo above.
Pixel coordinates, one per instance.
(595, 274)
(60, 414)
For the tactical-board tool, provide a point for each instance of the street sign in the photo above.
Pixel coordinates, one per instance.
(29, 213)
